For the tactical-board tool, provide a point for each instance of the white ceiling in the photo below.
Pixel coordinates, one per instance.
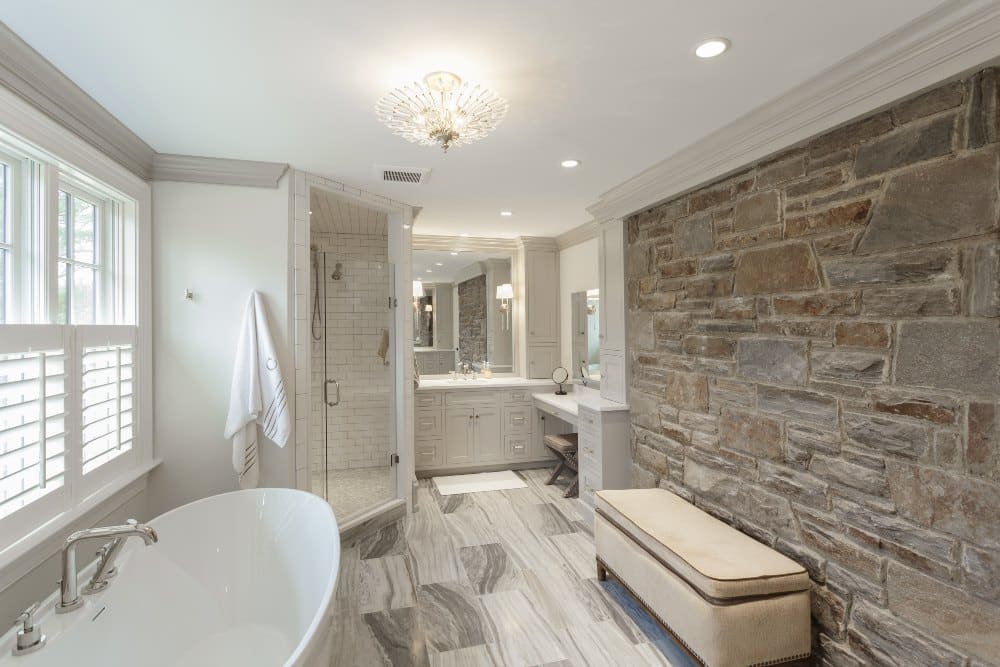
(613, 84)
(425, 263)
(330, 214)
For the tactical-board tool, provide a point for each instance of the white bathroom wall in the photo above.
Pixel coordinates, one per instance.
(578, 271)
(221, 242)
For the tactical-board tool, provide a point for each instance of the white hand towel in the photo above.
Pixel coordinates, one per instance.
(257, 382)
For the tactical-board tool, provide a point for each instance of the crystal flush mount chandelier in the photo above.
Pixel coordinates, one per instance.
(442, 110)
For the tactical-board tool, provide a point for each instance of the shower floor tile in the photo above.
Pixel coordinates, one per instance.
(355, 489)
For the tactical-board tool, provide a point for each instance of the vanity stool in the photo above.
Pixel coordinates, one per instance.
(565, 448)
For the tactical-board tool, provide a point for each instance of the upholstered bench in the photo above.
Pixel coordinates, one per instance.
(729, 599)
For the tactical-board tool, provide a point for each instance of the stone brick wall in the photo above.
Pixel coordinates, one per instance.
(472, 319)
(815, 350)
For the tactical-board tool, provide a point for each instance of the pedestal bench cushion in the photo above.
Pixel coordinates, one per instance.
(708, 554)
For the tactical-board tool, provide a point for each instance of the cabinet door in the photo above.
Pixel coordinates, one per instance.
(542, 360)
(489, 439)
(459, 436)
(542, 289)
(613, 375)
(612, 313)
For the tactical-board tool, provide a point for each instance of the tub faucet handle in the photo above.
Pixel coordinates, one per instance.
(29, 637)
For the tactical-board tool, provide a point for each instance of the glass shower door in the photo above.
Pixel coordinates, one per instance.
(358, 388)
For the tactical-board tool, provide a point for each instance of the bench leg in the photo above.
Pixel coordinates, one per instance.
(556, 472)
(573, 489)
(602, 572)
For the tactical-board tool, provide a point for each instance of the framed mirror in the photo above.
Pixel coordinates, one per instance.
(586, 337)
(462, 303)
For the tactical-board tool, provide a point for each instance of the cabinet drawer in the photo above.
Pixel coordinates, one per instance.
(517, 420)
(471, 398)
(588, 420)
(518, 446)
(517, 396)
(429, 453)
(428, 399)
(428, 424)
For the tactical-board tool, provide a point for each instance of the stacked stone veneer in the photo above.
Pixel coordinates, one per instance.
(472, 319)
(815, 350)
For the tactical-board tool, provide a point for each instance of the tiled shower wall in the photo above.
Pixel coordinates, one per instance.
(355, 315)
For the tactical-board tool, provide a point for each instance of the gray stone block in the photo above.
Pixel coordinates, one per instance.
(957, 354)
(773, 360)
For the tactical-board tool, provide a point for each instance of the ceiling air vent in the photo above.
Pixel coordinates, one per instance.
(402, 174)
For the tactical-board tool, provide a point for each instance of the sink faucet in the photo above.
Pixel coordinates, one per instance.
(69, 598)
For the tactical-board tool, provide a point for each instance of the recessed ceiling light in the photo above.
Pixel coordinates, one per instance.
(463, 234)
(454, 254)
(569, 164)
(711, 48)
(406, 226)
(438, 263)
(506, 214)
(428, 271)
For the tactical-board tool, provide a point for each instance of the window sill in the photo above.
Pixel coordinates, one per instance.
(24, 555)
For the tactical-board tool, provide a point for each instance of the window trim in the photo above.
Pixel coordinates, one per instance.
(105, 308)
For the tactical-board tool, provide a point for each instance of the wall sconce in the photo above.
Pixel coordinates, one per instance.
(505, 293)
(418, 293)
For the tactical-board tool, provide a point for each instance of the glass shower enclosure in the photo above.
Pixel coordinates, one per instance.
(352, 433)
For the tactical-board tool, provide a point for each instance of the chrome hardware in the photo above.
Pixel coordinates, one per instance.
(326, 393)
(69, 598)
(29, 637)
(106, 563)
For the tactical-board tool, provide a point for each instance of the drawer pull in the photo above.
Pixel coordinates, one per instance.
(426, 424)
(518, 420)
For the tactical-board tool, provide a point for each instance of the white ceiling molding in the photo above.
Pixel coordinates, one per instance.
(426, 242)
(537, 243)
(577, 235)
(950, 41)
(33, 78)
(221, 171)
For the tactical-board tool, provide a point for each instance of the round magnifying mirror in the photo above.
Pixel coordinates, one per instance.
(560, 376)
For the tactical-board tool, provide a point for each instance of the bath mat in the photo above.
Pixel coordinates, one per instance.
(480, 481)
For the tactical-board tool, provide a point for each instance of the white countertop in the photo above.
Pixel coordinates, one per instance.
(588, 398)
(427, 384)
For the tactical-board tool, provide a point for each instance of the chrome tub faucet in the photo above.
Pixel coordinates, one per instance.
(69, 597)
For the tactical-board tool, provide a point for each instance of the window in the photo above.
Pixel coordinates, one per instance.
(78, 266)
(68, 338)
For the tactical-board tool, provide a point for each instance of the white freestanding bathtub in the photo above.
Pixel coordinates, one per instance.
(244, 579)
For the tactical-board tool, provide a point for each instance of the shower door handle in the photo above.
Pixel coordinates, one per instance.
(326, 393)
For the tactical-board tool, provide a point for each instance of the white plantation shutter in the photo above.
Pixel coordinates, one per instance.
(66, 418)
(107, 370)
(34, 404)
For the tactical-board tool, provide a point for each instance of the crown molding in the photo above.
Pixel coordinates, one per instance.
(536, 243)
(37, 81)
(577, 235)
(952, 40)
(429, 242)
(221, 171)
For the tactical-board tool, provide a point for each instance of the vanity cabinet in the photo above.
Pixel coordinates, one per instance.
(611, 257)
(464, 429)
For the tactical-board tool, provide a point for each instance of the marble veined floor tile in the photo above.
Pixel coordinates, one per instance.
(386, 541)
(522, 636)
(433, 557)
(470, 527)
(473, 656)
(353, 642)
(348, 595)
(577, 551)
(600, 645)
(399, 637)
(452, 617)
(544, 519)
(489, 568)
(386, 583)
